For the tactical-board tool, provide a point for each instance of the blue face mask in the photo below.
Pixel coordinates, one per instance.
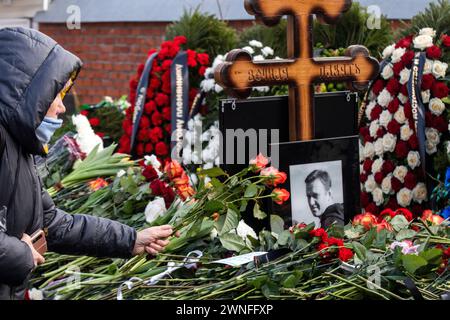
(47, 128)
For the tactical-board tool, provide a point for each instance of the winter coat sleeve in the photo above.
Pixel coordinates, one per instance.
(84, 234)
(16, 260)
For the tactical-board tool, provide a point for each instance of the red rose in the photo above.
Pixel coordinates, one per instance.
(376, 111)
(408, 110)
(368, 138)
(393, 86)
(446, 40)
(372, 208)
(280, 195)
(398, 67)
(363, 131)
(440, 90)
(127, 127)
(124, 144)
(396, 184)
(363, 177)
(413, 142)
(388, 167)
(379, 177)
(166, 64)
(149, 173)
(161, 149)
(381, 132)
(428, 118)
(148, 148)
(401, 149)
(162, 99)
(439, 124)
(345, 254)
(378, 86)
(367, 165)
(154, 83)
(95, 122)
(416, 209)
(404, 90)
(179, 40)
(155, 134)
(394, 105)
(365, 199)
(150, 93)
(392, 203)
(156, 118)
(408, 57)
(386, 213)
(410, 180)
(203, 58)
(191, 58)
(168, 128)
(84, 113)
(150, 107)
(174, 170)
(405, 212)
(393, 127)
(167, 113)
(427, 81)
(144, 123)
(202, 70)
(166, 87)
(405, 42)
(434, 52)
(157, 187)
(143, 135)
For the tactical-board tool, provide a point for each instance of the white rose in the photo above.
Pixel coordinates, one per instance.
(400, 173)
(399, 115)
(377, 196)
(405, 132)
(373, 128)
(431, 148)
(378, 146)
(427, 32)
(432, 135)
(419, 193)
(361, 151)
(439, 69)
(256, 44)
(398, 54)
(428, 66)
(387, 52)
(413, 159)
(369, 108)
(370, 183)
(389, 142)
(385, 118)
(437, 106)
(369, 150)
(267, 51)
(384, 98)
(422, 42)
(426, 95)
(404, 197)
(387, 72)
(155, 209)
(403, 99)
(208, 85)
(405, 74)
(258, 58)
(377, 165)
(386, 184)
(249, 49)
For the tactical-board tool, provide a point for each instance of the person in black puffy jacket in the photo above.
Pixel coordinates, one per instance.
(34, 74)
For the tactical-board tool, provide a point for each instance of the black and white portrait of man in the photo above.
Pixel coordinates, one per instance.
(317, 193)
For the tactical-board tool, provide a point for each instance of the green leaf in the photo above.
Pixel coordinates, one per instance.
(405, 234)
(276, 224)
(259, 281)
(399, 222)
(433, 256)
(243, 207)
(290, 281)
(213, 206)
(232, 242)
(360, 250)
(258, 213)
(284, 237)
(212, 173)
(351, 233)
(412, 262)
(270, 288)
(380, 239)
(231, 221)
(369, 238)
(251, 191)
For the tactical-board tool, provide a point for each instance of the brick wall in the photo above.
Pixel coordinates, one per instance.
(111, 53)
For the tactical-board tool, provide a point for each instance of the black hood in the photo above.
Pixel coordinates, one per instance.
(33, 70)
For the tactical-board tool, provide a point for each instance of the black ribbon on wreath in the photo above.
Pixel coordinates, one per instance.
(141, 94)
(179, 78)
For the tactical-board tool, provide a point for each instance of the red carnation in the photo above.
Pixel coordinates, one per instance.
(408, 58)
(446, 40)
(393, 86)
(345, 254)
(427, 81)
(162, 99)
(401, 149)
(320, 232)
(167, 113)
(161, 149)
(168, 128)
(413, 142)
(150, 107)
(440, 90)
(388, 167)
(393, 127)
(410, 180)
(150, 93)
(203, 58)
(398, 67)
(191, 58)
(434, 52)
(378, 86)
(396, 184)
(149, 173)
(143, 135)
(155, 134)
(439, 124)
(202, 70)
(148, 148)
(154, 83)
(394, 105)
(166, 64)
(376, 111)
(405, 42)
(144, 123)
(95, 122)
(179, 40)
(379, 177)
(156, 118)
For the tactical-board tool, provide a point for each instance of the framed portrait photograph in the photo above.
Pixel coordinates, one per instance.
(323, 180)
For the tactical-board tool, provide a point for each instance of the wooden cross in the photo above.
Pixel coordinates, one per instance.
(239, 74)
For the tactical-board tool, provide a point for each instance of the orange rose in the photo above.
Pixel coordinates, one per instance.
(280, 195)
(384, 225)
(185, 191)
(259, 163)
(435, 219)
(183, 179)
(275, 177)
(426, 215)
(367, 220)
(97, 184)
(173, 169)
